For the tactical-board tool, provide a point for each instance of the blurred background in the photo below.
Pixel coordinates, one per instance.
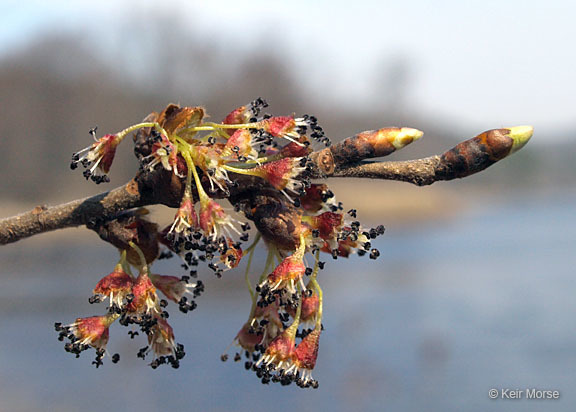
(474, 287)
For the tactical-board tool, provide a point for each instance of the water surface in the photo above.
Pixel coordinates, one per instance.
(444, 315)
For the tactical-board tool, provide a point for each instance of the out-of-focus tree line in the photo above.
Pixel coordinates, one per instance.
(58, 87)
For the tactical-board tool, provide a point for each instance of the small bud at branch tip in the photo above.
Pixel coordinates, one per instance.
(520, 135)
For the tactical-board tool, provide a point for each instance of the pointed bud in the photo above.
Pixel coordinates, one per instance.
(374, 143)
(520, 135)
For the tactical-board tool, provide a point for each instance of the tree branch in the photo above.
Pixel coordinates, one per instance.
(75, 213)
(420, 172)
(341, 160)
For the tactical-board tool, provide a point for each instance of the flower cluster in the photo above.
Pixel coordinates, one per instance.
(134, 302)
(212, 160)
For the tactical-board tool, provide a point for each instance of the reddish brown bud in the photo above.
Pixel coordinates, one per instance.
(373, 143)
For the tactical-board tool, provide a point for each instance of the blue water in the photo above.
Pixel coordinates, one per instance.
(445, 314)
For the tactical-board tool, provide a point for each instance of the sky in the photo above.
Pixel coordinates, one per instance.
(483, 63)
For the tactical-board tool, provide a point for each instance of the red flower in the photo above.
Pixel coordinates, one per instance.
(239, 115)
(97, 158)
(294, 149)
(284, 127)
(116, 286)
(287, 273)
(161, 338)
(248, 337)
(214, 220)
(92, 331)
(328, 224)
(241, 145)
(172, 287)
(310, 305)
(145, 299)
(305, 356)
(185, 220)
(273, 325)
(316, 197)
(282, 173)
(163, 152)
(280, 351)
(232, 255)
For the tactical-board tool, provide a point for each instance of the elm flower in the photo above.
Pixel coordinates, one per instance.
(116, 286)
(174, 288)
(282, 173)
(240, 115)
(88, 332)
(163, 152)
(209, 159)
(285, 276)
(352, 238)
(97, 158)
(291, 128)
(185, 221)
(248, 337)
(316, 198)
(145, 299)
(245, 114)
(230, 253)
(161, 342)
(267, 318)
(307, 220)
(92, 331)
(300, 149)
(310, 305)
(255, 335)
(214, 221)
(240, 145)
(161, 338)
(280, 352)
(304, 359)
(324, 228)
(286, 127)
